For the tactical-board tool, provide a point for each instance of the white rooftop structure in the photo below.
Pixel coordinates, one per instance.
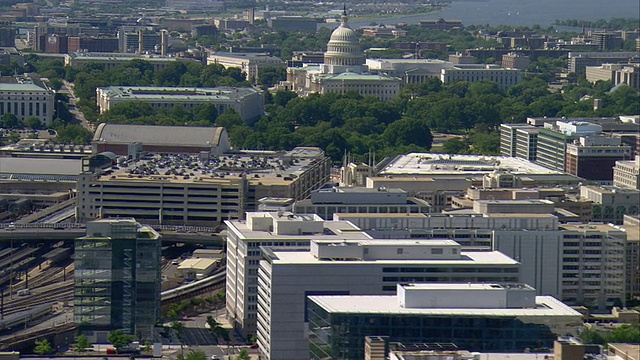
(385, 304)
(386, 251)
(423, 164)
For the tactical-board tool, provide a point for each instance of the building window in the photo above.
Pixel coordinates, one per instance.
(399, 251)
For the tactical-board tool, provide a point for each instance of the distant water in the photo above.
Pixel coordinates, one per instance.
(525, 12)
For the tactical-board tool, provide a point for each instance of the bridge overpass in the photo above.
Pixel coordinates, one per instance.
(39, 232)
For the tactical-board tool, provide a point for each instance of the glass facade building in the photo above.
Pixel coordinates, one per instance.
(117, 278)
(337, 334)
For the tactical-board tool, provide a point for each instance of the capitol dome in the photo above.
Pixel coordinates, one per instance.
(343, 48)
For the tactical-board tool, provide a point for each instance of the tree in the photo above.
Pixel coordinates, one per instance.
(82, 343)
(33, 122)
(590, 336)
(625, 334)
(217, 330)
(243, 355)
(455, 146)
(119, 339)
(43, 347)
(10, 121)
(194, 355)
(408, 131)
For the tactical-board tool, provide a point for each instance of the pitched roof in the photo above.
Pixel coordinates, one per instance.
(159, 135)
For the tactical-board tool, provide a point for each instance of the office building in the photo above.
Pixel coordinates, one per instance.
(293, 23)
(606, 40)
(477, 317)
(25, 97)
(199, 189)
(594, 157)
(562, 260)
(617, 74)
(505, 78)
(462, 58)
(631, 224)
(100, 44)
(277, 230)
(593, 265)
(515, 61)
(611, 203)
(248, 102)
(626, 174)
(578, 61)
(359, 267)
(468, 167)
(248, 63)
(117, 279)
(7, 34)
(111, 60)
(328, 201)
(125, 140)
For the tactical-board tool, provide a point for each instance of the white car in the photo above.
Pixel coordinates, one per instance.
(214, 357)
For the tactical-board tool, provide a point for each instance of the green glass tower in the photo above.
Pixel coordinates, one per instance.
(117, 279)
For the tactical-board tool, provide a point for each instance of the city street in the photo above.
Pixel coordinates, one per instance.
(73, 109)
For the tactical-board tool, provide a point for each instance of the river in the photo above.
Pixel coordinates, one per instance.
(519, 12)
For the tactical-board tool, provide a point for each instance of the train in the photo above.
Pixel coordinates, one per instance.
(22, 317)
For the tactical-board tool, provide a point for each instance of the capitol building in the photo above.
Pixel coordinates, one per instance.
(343, 70)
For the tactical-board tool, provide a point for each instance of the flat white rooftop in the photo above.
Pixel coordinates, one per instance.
(443, 164)
(333, 230)
(466, 258)
(388, 304)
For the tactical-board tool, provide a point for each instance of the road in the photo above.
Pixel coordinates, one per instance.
(68, 89)
(59, 215)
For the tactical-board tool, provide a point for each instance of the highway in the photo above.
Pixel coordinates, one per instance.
(60, 216)
(38, 232)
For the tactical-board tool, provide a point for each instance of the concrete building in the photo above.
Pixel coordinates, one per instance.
(553, 140)
(248, 63)
(515, 61)
(505, 78)
(360, 267)
(196, 268)
(111, 60)
(578, 61)
(7, 34)
(617, 74)
(626, 174)
(411, 71)
(295, 23)
(25, 96)
(246, 101)
(462, 58)
(125, 140)
(93, 44)
(477, 317)
(594, 157)
(631, 224)
(278, 231)
(117, 279)
(593, 265)
(610, 203)
(559, 259)
(198, 190)
(606, 40)
(326, 202)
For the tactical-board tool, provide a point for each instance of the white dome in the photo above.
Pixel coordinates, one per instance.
(344, 34)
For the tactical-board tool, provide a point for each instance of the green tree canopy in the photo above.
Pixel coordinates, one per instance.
(119, 339)
(43, 347)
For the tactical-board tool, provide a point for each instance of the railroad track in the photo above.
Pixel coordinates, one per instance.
(51, 293)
